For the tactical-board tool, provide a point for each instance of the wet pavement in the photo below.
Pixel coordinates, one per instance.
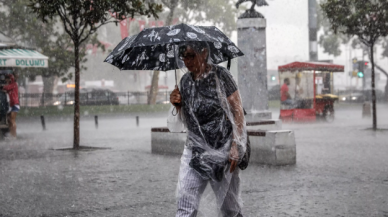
(341, 170)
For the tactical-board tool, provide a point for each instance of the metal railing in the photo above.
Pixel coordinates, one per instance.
(90, 98)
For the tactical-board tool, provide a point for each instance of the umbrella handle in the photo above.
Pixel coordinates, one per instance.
(176, 80)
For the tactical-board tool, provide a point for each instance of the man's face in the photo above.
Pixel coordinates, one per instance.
(192, 59)
(287, 82)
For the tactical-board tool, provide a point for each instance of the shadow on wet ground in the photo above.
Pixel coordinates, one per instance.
(341, 170)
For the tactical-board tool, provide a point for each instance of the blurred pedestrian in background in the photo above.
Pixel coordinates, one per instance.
(12, 89)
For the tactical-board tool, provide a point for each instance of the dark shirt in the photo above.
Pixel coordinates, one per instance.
(203, 113)
(201, 96)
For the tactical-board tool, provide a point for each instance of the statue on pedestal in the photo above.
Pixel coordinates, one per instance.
(252, 13)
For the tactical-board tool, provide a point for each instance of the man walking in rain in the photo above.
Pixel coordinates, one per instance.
(209, 104)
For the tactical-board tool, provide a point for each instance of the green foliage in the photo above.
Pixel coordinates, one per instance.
(329, 40)
(330, 44)
(365, 19)
(82, 18)
(220, 13)
(368, 20)
(25, 29)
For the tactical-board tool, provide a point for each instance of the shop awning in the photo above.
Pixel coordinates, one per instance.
(317, 66)
(18, 57)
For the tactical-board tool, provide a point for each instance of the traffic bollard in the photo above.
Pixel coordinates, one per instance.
(366, 110)
(43, 122)
(137, 120)
(96, 121)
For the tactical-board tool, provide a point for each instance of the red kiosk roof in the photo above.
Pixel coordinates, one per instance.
(317, 66)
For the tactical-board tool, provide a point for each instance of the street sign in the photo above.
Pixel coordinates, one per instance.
(353, 73)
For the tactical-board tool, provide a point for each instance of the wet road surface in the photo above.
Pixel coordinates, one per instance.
(341, 170)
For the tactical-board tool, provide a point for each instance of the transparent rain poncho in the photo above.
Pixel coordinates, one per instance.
(212, 113)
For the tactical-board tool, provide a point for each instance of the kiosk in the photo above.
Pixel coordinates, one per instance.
(308, 87)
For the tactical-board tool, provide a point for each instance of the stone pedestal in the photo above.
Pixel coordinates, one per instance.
(270, 124)
(165, 142)
(366, 110)
(252, 68)
(275, 147)
(270, 145)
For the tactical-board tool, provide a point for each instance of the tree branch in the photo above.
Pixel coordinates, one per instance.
(66, 28)
(3, 33)
(74, 16)
(62, 14)
(382, 70)
(82, 32)
(65, 24)
(82, 18)
(363, 40)
(94, 29)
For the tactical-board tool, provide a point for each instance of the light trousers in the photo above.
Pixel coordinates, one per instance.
(191, 187)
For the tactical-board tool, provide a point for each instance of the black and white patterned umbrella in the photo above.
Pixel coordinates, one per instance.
(154, 48)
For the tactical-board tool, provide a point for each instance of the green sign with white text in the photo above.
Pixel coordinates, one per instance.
(22, 58)
(29, 63)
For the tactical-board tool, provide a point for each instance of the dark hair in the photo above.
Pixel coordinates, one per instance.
(195, 45)
(286, 79)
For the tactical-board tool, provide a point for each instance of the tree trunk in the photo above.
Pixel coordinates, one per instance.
(49, 84)
(373, 90)
(76, 96)
(154, 88)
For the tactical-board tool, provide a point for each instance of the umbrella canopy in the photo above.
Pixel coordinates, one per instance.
(154, 48)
